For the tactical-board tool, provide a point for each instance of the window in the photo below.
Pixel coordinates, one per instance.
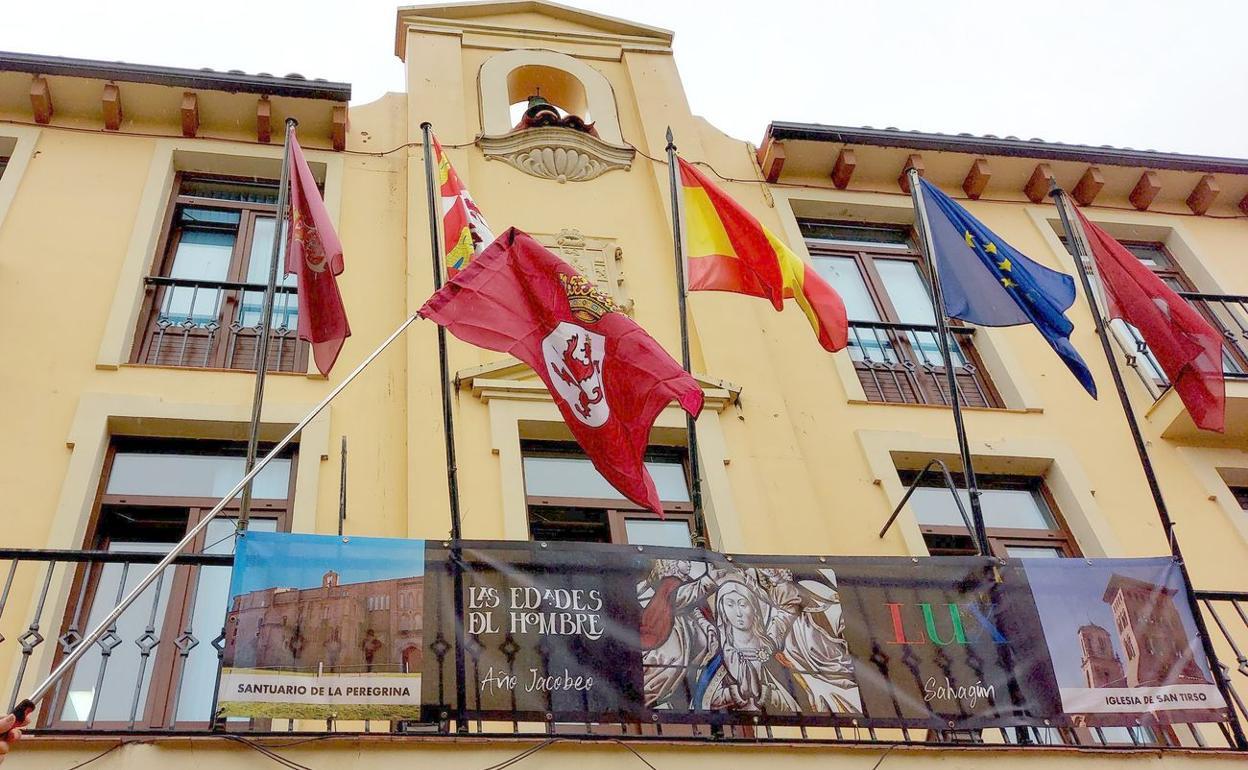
(162, 670)
(569, 500)
(1241, 496)
(892, 333)
(206, 291)
(1020, 517)
(4, 163)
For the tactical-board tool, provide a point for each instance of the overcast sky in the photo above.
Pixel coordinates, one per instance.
(1159, 74)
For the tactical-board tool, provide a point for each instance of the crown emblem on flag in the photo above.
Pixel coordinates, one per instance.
(587, 302)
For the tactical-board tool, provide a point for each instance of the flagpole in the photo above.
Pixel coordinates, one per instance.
(452, 476)
(266, 323)
(1077, 237)
(342, 488)
(22, 709)
(452, 473)
(691, 424)
(942, 328)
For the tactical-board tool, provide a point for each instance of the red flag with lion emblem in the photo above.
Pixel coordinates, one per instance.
(315, 255)
(609, 378)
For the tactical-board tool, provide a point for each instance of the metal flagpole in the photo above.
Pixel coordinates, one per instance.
(691, 425)
(1079, 243)
(452, 474)
(342, 488)
(452, 477)
(942, 327)
(23, 709)
(266, 322)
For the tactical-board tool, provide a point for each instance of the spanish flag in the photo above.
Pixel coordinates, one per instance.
(728, 250)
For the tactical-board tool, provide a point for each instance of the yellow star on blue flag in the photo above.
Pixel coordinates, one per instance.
(985, 281)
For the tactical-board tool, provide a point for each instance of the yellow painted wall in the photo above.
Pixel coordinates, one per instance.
(805, 470)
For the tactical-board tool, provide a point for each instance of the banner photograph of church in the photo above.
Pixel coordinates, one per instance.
(337, 648)
(1123, 642)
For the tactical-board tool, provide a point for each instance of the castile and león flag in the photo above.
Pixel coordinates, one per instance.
(464, 230)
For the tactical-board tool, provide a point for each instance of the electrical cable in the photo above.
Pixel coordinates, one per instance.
(273, 755)
(636, 753)
(522, 755)
(101, 755)
(880, 761)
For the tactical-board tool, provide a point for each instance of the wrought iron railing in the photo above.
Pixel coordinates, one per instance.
(1227, 612)
(155, 672)
(217, 324)
(902, 363)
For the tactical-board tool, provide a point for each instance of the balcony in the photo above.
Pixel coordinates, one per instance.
(1228, 314)
(902, 364)
(154, 673)
(216, 325)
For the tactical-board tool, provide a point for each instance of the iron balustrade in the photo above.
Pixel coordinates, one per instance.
(1227, 611)
(217, 324)
(902, 363)
(150, 678)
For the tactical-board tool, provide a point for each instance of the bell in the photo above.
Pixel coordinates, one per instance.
(538, 106)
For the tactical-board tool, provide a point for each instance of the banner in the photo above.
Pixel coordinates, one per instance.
(579, 632)
(598, 633)
(324, 627)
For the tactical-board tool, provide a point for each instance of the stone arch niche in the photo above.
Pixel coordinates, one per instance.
(550, 152)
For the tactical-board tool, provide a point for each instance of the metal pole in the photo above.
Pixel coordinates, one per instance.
(452, 475)
(942, 327)
(342, 488)
(266, 323)
(691, 425)
(1079, 244)
(23, 709)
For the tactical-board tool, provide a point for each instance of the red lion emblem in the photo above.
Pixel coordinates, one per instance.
(576, 372)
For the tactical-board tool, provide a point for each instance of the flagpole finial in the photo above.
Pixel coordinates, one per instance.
(291, 123)
(1054, 191)
(671, 140)
(425, 124)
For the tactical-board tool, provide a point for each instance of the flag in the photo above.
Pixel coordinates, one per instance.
(464, 231)
(985, 281)
(1186, 345)
(608, 377)
(729, 250)
(314, 254)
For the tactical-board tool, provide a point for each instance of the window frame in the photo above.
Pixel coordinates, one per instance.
(1000, 539)
(240, 256)
(616, 512)
(166, 664)
(911, 387)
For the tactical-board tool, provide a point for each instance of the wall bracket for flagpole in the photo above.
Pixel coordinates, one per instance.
(953, 490)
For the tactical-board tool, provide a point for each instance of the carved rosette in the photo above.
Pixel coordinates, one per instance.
(554, 152)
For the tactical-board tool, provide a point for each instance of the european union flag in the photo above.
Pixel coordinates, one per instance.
(985, 281)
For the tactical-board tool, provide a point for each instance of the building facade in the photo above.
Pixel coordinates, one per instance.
(143, 200)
